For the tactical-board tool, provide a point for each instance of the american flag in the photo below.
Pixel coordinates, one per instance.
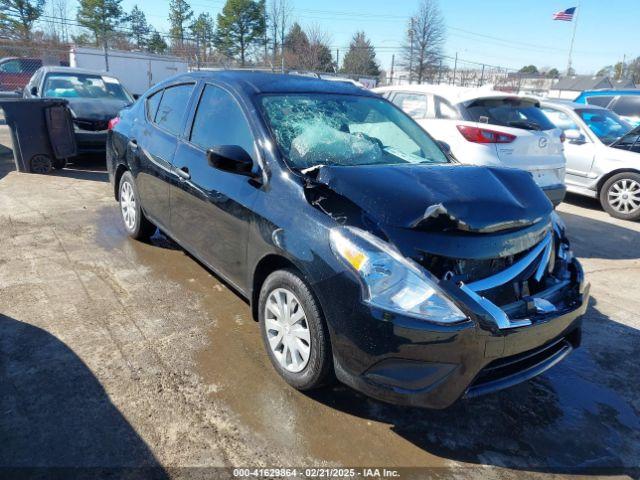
(565, 15)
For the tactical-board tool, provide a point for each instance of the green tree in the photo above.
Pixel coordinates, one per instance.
(140, 29)
(157, 43)
(179, 15)
(17, 17)
(361, 57)
(553, 73)
(202, 29)
(101, 17)
(241, 26)
(529, 69)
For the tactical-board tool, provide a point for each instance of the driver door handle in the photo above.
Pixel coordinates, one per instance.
(133, 145)
(183, 173)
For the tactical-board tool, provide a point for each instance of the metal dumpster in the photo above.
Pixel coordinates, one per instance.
(42, 133)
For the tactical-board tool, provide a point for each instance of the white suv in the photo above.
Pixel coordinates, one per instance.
(484, 127)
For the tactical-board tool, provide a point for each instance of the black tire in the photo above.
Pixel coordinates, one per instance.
(319, 368)
(41, 164)
(140, 228)
(59, 163)
(607, 200)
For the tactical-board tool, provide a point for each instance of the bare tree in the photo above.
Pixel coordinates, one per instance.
(280, 12)
(57, 27)
(422, 50)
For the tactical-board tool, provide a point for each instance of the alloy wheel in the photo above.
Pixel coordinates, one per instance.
(287, 330)
(128, 205)
(624, 196)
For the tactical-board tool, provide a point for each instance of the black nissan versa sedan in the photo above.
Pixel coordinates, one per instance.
(365, 252)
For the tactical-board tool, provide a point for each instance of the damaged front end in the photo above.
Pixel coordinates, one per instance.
(450, 245)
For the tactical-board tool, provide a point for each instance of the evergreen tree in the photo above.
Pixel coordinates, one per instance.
(17, 17)
(202, 29)
(241, 26)
(179, 15)
(140, 29)
(101, 17)
(157, 44)
(361, 57)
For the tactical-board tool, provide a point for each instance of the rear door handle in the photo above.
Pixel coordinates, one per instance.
(183, 173)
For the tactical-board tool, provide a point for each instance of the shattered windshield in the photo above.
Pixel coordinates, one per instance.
(347, 130)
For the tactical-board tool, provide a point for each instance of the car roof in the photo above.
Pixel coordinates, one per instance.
(256, 82)
(610, 91)
(570, 105)
(452, 93)
(78, 71)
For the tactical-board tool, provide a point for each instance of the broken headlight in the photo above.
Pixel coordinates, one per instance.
(390, 281)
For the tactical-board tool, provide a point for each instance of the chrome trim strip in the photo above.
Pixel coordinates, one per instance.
(514, 270)
(501, 318)
(542, 266)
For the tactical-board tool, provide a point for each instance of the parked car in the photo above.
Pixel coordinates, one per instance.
(15, 72)
(603, 156)
(364, 251)
(483, 127)
(94, 99)
(626, 103)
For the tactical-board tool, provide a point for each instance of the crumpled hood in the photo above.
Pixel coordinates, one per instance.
(95, 108)
(472, 198)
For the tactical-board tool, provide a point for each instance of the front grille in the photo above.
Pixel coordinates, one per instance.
(92, 125)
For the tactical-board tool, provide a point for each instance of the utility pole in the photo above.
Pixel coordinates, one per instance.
(266, 41)
(197, 52)
(393, 62)
(337, 59)
(482, 76)
(573, 37)
(411, 52)
(455, 69)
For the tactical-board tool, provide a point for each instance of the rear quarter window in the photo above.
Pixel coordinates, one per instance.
(172, 108)
(152, 104)
(599, 101)
(627, 106)
(508, 112)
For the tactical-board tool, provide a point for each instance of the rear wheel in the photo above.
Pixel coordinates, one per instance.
(294, 331)
(135, 223)
(620, 196)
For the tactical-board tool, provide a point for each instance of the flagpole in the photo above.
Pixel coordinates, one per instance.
(573, 37)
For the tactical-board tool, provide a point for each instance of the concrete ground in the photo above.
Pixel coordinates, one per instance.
(115, 353)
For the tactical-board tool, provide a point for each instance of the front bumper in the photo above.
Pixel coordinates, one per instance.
(555, 193)
(406, 361)
(91, 142)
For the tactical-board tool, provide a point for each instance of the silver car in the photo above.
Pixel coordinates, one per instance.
(603, 156)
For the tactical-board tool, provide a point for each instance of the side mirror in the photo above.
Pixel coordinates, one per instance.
(444, 146)
(136, 96)
(232, 159)
(575, 136)
(34, 91)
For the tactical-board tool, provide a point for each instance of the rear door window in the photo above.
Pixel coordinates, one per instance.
(414, 104)
(627, 106)
(560, 119)
(173, 107)
(601, 101)
(508, 112)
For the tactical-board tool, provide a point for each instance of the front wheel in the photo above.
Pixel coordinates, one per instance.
(135, 223)
(620, 196)
(294, 331)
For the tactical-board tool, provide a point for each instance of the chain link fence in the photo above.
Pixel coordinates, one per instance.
(140, 70)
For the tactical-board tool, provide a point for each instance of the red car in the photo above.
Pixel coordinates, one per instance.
(16, 72)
